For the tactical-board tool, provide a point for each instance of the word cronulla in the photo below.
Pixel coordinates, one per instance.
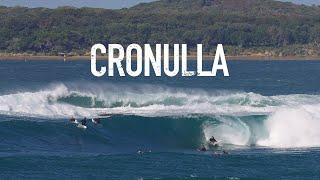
(160, 61)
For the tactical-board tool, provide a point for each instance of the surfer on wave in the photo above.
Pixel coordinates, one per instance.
(213, 140)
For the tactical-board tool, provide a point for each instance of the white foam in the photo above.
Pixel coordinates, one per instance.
(292, 127)
(150, 101)
(40, 103)
(229, 131)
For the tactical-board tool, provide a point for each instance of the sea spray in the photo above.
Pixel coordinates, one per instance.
(292, 127)
(228, 131)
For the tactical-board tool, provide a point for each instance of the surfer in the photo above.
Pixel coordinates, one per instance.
(225, 152)
(140, 152)
(213, 140)
(84, 122)
(203, 149)
(72, 119)
(218, 154)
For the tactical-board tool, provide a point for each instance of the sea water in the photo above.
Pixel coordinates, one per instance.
(266, 115)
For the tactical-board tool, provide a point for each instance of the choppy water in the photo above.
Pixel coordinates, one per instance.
(266, 115)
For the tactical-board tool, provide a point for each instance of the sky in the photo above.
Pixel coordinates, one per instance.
(309, 2)
(109, 4)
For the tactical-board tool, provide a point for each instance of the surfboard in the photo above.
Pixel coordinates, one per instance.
(95, 122)
(215, 143)
(76, 122)
(81, 126)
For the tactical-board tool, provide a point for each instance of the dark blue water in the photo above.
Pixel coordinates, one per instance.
(264, 77)
(265, 115)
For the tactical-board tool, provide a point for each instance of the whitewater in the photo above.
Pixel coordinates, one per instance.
(290, 120)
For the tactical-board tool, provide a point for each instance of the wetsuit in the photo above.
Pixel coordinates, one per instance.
(72, 119)
(84, 121)
(202, 149)
(213, 140)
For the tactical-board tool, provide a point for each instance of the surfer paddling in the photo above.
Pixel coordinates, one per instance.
(72, 119)
(84, 122)
(218, 154)
(202, 149)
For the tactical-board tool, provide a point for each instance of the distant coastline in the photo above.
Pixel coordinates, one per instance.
(264, 29)
(190, 57)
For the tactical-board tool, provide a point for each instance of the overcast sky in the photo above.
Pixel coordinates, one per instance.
(110, 4)
(309, 2)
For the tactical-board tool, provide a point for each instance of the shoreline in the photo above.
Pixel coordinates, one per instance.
(190, 57)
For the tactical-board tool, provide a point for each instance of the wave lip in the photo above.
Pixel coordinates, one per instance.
(62, 100)
(40, 104)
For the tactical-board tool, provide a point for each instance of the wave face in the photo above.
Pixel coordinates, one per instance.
(175, 117)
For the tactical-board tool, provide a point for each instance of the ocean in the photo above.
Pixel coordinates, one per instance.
(266, 116)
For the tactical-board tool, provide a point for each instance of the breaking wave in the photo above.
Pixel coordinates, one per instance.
(289, 127)
(235, 118)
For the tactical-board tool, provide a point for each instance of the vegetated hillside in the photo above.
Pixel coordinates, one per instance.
(243, 26)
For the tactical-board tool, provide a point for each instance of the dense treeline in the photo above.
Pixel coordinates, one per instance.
(238, 24)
